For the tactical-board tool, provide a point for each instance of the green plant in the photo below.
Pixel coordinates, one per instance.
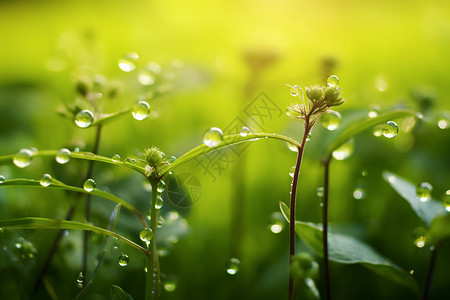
(154, 165)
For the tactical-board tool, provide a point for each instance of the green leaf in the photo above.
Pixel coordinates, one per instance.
(348, 250)
(59, 185)
(439, 230)
(7, 159)
(118, 294)
(426, 211)
(44, 223)
(228, 140)
(350, 129)
(101, 259)
(285, 211)
(104, 118)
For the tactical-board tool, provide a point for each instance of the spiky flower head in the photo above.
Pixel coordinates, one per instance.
(154, 156)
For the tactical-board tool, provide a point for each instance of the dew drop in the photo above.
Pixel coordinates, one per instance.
(161, 186)
(2, 178)
(373, 111)
(116, 158)
(128, 62)
(133, 161)
(233, 266)
(89, 185)
(244, 131)
(63, 156)
(146, 78)
(447, 200)
(423, 191)
(378, 131)
(141, 110)
(170, 286)
(308, 137)
(123, 260)
(294, 114)
(46, 180)
(444, 121)
(80, 280)
(84, 118)
(292, 171)
(146, 235)
(420, 241)
(159, 202)
(23, 158)
(390, 129)
(294, 92)
(359, 193)
(344, 151)
(320, 191)
(276, 222)
(213, 137)
(292, 147)
(333, 80)
(171, 159)
(331, 119)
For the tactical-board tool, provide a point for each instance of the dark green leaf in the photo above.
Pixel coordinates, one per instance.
(348, 250)
(350, 129)
(228, 140)
(118, 294)
(439, 230)
(426, 211)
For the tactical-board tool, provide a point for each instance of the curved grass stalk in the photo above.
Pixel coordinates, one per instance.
(45, 223)
(59, 185)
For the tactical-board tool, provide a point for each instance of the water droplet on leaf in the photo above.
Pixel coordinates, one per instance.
(344, 151)
(390, 129)
(423, 191)
(244, 131)
(373, 111)
(116, 158)
(292, 147)
(89, 185)
(333, 80)
(2, 178)
(141, 110)
(213, 137)
(320, 191)
(63, 156)
(233, 266)
(128, 62)
(84, 118)
(292, 171)
(159, 202)
(23, 158)
(146, 235)
(331, 119)
(46, 180)
(170, 286)
(161, 186)
(276, 222)
(123, 260)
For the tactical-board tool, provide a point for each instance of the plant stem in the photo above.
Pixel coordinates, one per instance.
(292, 204)
(153, 283)
(69, 217)
(88, 200)
(325, 226)
(427, 289)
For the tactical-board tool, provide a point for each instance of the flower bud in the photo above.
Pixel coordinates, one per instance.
(314, 93)
(154, 156)
(331, 96)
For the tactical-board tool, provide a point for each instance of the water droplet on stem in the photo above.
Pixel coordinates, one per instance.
(84, 118)
(23, 158)
(213, 137)
(46, 180)
(89, 185)
(390, 129)
(63, 156)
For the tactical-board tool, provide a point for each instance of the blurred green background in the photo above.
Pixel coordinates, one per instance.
(216, 59)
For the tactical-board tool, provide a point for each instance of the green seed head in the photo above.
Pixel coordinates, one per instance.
(331, 96)
(154, 156)
(314, 93)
